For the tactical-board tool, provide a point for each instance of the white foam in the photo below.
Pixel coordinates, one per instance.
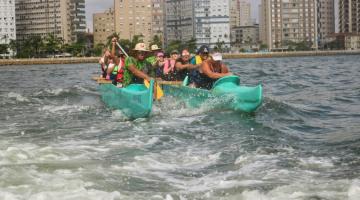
(18, 97)
(64, 108)
(354, 190)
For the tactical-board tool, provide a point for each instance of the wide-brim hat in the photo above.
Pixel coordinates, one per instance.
(155, 47)
(140, 47)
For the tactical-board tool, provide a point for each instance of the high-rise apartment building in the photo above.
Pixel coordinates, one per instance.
(240, 13)
(212, 22)
(234, 13)
(139, 17)
(245, 13)
(288, 20)
(349, 16)
(208, 21)
(179, 20)
(103, 26)
(63, 18)
(325, 20)
(7, 21)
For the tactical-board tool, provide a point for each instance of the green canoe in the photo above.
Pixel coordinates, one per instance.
(225, 94)
(135, 101)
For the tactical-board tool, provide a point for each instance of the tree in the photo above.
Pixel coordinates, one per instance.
(220, 45)
(174, 45)
(98, 49)
(191, 44)
(136, 39)
(263, 47)
(36, 44)
(110, 37)
(4, 49)
(157, 41)
(52, 44)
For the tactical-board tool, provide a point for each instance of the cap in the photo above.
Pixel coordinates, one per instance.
(160, 54)
(204, 49)
(217, 56)
(174, 52)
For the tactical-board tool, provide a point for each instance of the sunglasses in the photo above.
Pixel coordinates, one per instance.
(141, 53)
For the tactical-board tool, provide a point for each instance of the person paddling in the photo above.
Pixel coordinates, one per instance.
(104, 62)
(137, 69)
(116, 70)
(211, 70)
(183, 66)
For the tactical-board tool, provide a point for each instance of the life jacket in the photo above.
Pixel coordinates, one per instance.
(120, 71)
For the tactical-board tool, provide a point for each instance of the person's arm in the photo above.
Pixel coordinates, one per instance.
(224, 68)
(110, 69)
(180, 66)
(138, 73)
(207, 71)
(113, 51)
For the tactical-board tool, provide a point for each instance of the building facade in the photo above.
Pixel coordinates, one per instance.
(208, 21)
(349, 16)
(179, 20)
(245, 37)
(7, 22)
(62, 18)
(103, 26)
(234, 13)
(245, 13)
(212, 22)
(139, 17)
(325, 20)
(287, 21)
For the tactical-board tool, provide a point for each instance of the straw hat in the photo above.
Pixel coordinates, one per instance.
(154, 47)
(140, 47)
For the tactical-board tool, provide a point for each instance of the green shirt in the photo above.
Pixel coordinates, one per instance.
(151, 60)
(143, 66)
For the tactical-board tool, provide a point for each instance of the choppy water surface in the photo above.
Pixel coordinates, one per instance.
(59, 141)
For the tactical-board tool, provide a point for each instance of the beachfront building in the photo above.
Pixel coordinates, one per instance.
(208, 21)
(104, 26)
(285, 21)
(245, 13)
(349, 16)
(7, 23)
(135, 17)
(240, 13)
(245, 38)
(179, 20)
(325, 20)
(64, 19)
(212, 23)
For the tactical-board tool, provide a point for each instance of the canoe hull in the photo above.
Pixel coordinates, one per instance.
(135, 101)
(227, 95)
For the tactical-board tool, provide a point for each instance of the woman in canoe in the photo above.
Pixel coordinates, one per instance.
(137, 69)
(104, 62)
(183, 66)
(195, 78)
(211, 70)
(116, 70)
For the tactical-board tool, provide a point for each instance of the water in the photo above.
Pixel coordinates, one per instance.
(59, 141)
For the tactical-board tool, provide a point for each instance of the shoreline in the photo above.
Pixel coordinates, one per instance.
(45, 61)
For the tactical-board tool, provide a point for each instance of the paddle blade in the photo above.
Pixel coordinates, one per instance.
(159, 91)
